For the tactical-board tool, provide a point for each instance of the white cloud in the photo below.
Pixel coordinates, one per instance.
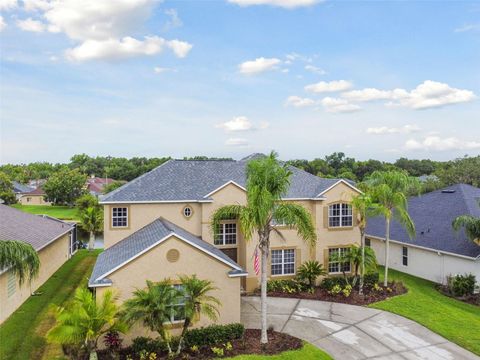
(174, 20)
(332, 86)
(407, 129)
(298, 101)
(113, 49)
(287, 4)
(236, 142)
(31, 25)
(241, 123)
(160, 70)
(315, 69)
(258, 65)
(34, 5)
(429, 94)
(468, 27)
(436, 143)
(6, 5)
(3, 24)
(335, 105)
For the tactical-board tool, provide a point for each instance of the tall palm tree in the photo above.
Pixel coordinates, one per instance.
(153, 306)
(85, 320)
(359, 258)
(470, 224)
(91, 220)
(20, 258)
(388, 191)
(267, 182)
(197, 301)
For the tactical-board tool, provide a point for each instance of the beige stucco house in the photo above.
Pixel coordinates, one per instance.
(158, 226)
(51, 238)
(33, 197)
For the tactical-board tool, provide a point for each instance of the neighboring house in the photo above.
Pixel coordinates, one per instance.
(51, 238)
(437, 250)
(158, 226)
(95, 185)
(20, 189)
(33, 197)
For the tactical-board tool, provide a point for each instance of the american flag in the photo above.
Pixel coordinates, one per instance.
(256, 262)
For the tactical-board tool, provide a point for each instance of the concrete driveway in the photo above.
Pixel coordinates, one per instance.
(352, 332)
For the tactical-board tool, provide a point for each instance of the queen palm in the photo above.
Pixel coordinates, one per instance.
(197, 301)
(470, 224)
(267, 182)
(153, 306)
(388, 191)
(20, 258)
(91, 220)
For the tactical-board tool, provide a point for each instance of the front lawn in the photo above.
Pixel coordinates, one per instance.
(308, 352)
(56, 211)
(23, 333)
(455, 320)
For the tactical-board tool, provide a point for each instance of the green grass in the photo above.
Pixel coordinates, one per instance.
(23, 333)
(308, 352)
(59, 212)
(455, 320)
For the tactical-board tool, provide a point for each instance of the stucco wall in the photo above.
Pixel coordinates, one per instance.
(154, 266)
(34, 200)
(51, 258)
(425, 264)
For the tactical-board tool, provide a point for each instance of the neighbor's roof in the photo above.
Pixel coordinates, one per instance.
(21, 188)
(194, 180)
(143, 240)
(37, 191)
(432, 214)
(36, 230)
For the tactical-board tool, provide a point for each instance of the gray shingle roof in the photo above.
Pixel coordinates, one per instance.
(19, 188)
(192, 180)
(142, 240)
(36, 230)
(432, 214)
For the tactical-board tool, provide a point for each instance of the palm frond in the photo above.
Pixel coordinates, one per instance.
(296, 216)
(20, 258)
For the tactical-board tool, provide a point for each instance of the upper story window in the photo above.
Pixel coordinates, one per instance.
(405, 256)
(120, 217)
(187, 211)
(278, 222)
(340, 215)
(334, 265)
(226, 234)
(283, 262)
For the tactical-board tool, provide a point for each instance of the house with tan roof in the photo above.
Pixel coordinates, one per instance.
(53, 239)
(158, 226)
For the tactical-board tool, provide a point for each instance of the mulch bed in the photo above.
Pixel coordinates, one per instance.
(250, 344)
(369, 294)
(469, 299)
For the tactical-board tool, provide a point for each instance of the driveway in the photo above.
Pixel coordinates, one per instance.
(353, 332)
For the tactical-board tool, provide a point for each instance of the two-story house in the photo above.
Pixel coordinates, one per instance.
(158, 226)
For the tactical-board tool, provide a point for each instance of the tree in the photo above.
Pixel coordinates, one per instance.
(20, 258)
(85, 201)
(465, 170)
(91, 220)
(65, 186)
(6, 190)
(153, 306)
(112, 186)
(85, 320)
(470, 224)
(198, 301)
(309, 271)
(388, 191)
(357, 256)
(267, 182)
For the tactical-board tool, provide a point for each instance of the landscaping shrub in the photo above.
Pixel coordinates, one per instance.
(309, 271)
(330, 282)
(288, 286)
(370, 279)
(214, 334)
(461, 285)
(143, 344)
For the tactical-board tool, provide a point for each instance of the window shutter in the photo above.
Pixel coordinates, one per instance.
(325, 216)
(325, 259)
(355, 219)
(298, 259)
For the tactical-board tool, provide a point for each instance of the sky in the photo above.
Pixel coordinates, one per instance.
(227, 78)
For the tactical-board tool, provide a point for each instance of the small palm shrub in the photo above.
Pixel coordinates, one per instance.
(309, 271)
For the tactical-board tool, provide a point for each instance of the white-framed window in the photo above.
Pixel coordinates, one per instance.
(226, 234)
(405, 256)
(278, 222)
(335, 266)
(187, 211)
(178, 308)
(11, 284)
(368, 243)
(283, 262)
(340, 215)
(120, 217)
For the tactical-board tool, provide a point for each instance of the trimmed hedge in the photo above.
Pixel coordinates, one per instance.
(214, 334)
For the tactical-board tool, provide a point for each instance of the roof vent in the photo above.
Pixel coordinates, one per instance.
(448, 191)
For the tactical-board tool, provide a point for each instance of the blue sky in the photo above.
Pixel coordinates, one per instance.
(228, 78)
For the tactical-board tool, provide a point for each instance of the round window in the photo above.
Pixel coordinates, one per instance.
(187, 211)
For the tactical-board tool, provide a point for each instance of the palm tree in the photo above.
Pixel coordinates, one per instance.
(470, 224)
(153, 306)
(85, 320)
(267, 182)
(357, 257)
(388, 191)
(20, 258)
(197, 301)
(91, 220)
(309, 271)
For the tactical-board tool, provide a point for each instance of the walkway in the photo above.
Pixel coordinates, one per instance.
(353, 332)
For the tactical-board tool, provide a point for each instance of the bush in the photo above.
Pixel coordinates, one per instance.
(461, 285)
(147, 345)
(370, 279)
(213, 335)
(289, 286)
(329, 282)
(309, 271)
